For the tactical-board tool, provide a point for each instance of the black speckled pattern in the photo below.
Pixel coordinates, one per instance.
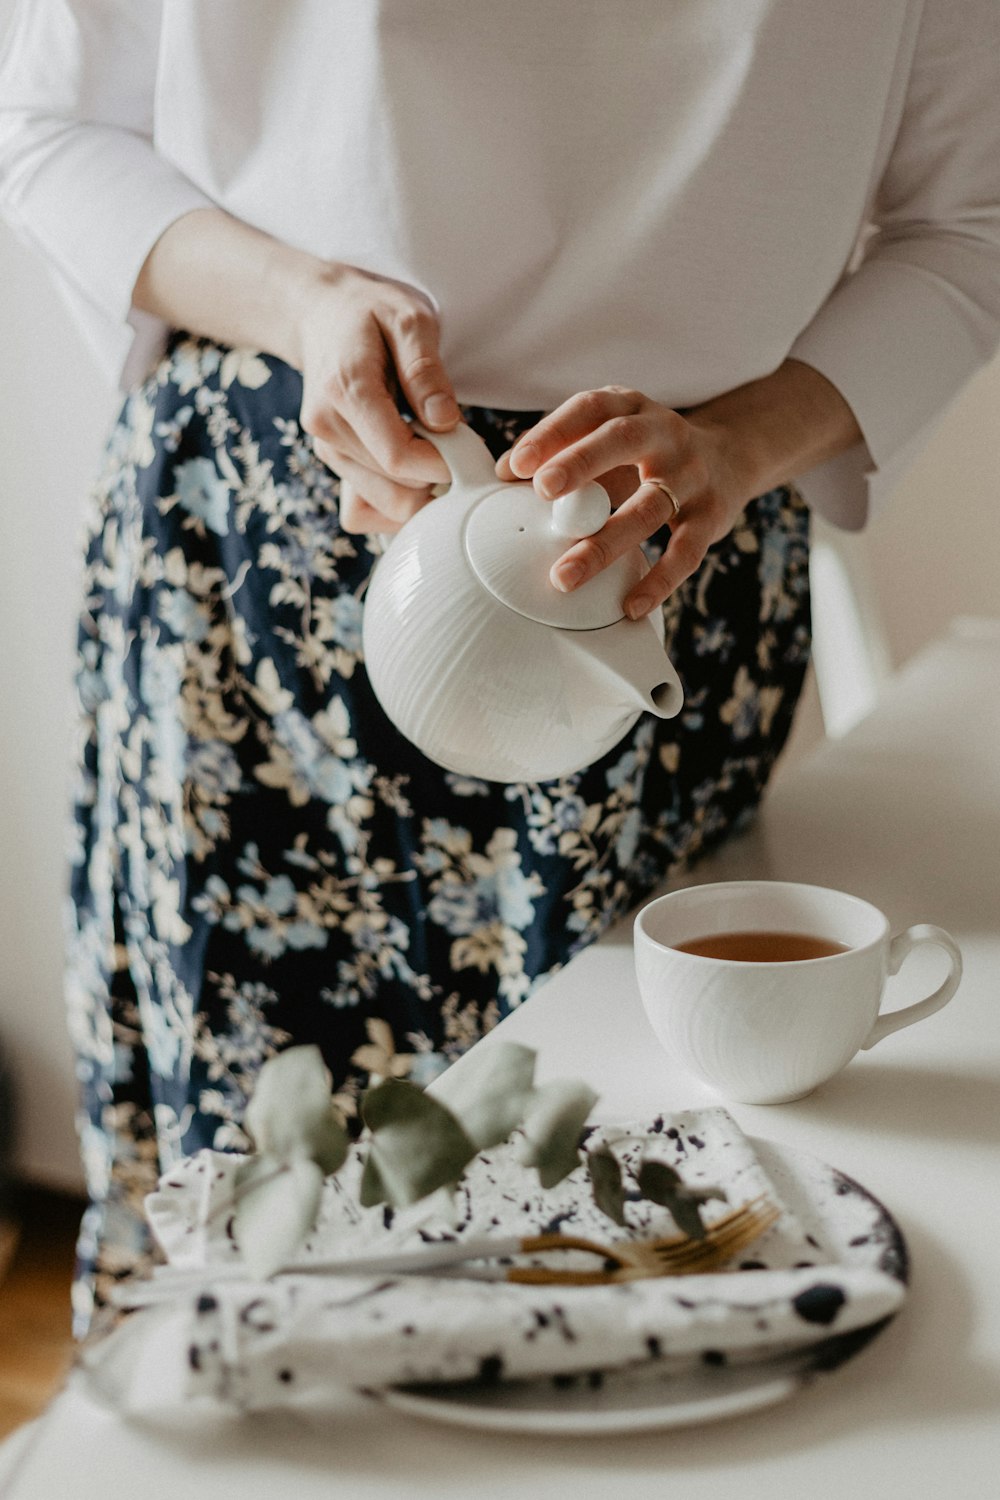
(829, 1273)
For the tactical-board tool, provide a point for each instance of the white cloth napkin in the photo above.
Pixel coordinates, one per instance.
(260, 1344)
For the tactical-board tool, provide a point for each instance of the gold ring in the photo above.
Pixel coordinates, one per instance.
(662, 485)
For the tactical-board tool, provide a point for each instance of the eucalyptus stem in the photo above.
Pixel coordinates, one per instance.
(242, 1189)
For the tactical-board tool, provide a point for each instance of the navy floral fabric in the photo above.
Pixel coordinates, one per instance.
(261, 859)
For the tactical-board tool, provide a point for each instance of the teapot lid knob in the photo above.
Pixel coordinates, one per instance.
(581, 512)
(512, 537)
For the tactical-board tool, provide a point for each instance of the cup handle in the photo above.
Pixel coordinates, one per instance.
(899, 948)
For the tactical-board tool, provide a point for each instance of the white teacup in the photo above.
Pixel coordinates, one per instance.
(768, 1032)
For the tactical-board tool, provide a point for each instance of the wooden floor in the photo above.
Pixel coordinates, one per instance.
(36, 1344)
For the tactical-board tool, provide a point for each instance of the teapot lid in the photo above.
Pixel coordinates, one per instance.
(512, 538)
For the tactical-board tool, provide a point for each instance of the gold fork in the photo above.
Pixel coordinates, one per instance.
(633, 1260)
(626, 1260)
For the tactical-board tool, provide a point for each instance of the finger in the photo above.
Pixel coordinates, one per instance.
(358, 517)
(503, 468)
(620, 483)
(411, 333)
(358, 393)
(639, 517)
(394, 447)
(396, 502)
(568, 423)
(346, 450)
(336, 443)
(374, 497)
(685, 553)
(653, 441)
(616, 443)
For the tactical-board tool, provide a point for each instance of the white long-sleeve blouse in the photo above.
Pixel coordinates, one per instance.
(673, 195)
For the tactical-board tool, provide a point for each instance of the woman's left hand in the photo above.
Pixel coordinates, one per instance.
(624, 440)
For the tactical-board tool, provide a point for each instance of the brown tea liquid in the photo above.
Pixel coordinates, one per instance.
(762, 947)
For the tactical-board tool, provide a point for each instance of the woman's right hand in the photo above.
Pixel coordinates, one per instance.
(360, 338)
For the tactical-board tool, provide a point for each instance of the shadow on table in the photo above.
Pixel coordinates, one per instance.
(912, 1100)
(920, 1370)
(897, 845)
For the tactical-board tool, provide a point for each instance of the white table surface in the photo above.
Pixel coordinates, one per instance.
(906, 812)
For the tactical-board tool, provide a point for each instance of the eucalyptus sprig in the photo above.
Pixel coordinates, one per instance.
(414, 1145)
(655, 1180)
(293, 1123)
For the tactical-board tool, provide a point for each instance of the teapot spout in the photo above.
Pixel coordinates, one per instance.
(630, 655)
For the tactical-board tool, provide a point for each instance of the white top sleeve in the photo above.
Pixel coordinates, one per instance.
(902, 335)
(79, 178)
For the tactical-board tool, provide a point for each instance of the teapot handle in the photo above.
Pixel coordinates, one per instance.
(465, 453)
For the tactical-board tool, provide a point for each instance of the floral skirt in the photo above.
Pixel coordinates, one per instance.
(260, 857)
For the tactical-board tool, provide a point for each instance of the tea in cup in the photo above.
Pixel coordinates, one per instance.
(765, 989)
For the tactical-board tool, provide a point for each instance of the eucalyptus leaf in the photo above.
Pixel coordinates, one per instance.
(290, 1103)
(276, 1207)
(372, 1190)
(329, 1143)
(606, 1182)
(555, 1117)
(417, 1145)
(489, 1091)
(663, 1184)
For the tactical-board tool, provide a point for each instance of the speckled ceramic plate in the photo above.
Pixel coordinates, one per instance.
(854, 1227)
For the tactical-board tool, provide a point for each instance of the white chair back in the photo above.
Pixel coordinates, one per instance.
(851, 654)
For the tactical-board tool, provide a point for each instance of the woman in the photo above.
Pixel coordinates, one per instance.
(696, 252)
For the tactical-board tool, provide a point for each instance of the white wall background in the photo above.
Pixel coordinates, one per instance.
(934, 555)
(54, 411)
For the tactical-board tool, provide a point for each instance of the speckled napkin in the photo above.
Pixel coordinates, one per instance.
(259, 1344)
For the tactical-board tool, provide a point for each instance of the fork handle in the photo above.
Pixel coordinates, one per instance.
(556, 1241)
(546, 1276)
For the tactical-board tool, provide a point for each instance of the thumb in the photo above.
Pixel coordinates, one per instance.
(413, 343)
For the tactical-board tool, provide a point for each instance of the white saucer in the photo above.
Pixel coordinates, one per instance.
(852, 1225)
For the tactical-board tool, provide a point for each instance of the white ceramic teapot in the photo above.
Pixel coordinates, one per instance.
(478, 659)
